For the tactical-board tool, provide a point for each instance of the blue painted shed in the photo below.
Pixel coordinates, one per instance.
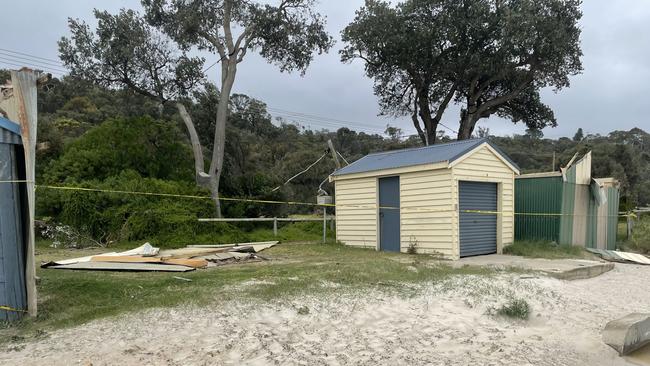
(13, 215)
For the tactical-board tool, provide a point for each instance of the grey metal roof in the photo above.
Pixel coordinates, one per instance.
(416, 156)
(9, 132)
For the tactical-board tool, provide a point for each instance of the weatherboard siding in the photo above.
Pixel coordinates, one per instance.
(427, 211)
(356, 211)
(484, 166)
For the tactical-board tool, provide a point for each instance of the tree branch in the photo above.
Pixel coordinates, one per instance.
(227, 14)
(504, 98)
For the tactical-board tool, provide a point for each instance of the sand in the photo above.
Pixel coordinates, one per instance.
(448, 323)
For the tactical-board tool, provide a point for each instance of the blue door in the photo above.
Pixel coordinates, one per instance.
(389, 235)
(478, 231)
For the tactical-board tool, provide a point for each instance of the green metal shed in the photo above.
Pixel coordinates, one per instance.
(568, 207)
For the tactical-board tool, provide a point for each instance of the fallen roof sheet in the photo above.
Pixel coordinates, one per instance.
(144, 250)
(618, 256)
(132, 267)
(194, 263)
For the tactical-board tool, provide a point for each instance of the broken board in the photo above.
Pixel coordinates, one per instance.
(130, 267)
(194, 263)
(617, 256)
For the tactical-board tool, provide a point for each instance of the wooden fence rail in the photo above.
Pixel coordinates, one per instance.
(275, 221)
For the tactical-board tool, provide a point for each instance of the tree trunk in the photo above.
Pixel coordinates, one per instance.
(467, 124)
(220, 132)
(430, 125)
(202, 179)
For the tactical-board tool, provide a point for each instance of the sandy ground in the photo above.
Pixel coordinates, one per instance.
(443, 324)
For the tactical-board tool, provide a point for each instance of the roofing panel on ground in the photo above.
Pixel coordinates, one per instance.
(416, 156)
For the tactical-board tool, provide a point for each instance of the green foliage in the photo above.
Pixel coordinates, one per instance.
(151, 148)
(579, 135)
(516, 309)
(641, 235)
(285, 35)
(120, 217)
(124, 51)
(493, 57)
(543, 249)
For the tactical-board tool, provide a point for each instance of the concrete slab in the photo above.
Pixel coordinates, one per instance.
(564, 269)
(628, 333)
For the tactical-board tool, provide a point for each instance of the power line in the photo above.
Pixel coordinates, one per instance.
(34, 56)
(56, 67)
(11, 64)
(31, 65)
(31, 59)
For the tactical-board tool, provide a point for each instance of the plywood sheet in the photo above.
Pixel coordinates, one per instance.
(130, 267)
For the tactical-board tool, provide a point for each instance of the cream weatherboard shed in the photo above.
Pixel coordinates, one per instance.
(454, 199)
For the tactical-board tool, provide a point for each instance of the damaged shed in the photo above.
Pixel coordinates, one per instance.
(454, 199)
(13, 221)
(568, 207)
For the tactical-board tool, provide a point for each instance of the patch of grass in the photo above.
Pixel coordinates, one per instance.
(68, 298)
(544, 249)
(515, 308)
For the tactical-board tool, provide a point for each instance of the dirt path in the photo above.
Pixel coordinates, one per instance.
(444, 324)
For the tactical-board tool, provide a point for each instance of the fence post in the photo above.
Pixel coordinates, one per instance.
(324, 224)
(275, 226)
(630, 224)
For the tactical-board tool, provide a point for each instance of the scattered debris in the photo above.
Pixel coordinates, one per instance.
(132, 267)
(148, 258)
(622, 257)
(628, 333)
(268, 244)
(182, 279)
(303, 310)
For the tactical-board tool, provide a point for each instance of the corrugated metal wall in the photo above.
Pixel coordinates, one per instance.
(613, 199)
(12, 256)
(535, 196)
(478, 231)
(582, 220)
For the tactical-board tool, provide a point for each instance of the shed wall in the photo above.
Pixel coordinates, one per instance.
(356, 211)
(427, 209)
(12, 259)
(535, 197)
(484, 166)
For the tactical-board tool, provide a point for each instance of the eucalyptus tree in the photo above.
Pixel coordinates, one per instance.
(287, 34)
(490, 56)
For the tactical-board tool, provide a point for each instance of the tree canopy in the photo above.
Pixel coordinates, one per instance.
(490, 56)
(148, 54)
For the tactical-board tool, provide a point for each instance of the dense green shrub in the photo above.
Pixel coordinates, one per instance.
(152, 148)
(118, 216)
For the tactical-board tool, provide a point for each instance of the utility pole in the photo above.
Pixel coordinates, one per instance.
(330, 144)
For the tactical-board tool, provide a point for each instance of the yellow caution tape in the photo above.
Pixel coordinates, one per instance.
(7, 308)
(296, 203)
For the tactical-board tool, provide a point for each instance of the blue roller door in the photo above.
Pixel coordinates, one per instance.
(478, 231)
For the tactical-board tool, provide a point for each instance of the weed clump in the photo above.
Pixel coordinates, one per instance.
(515, 308)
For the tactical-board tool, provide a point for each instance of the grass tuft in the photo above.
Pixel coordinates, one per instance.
(515, 309)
